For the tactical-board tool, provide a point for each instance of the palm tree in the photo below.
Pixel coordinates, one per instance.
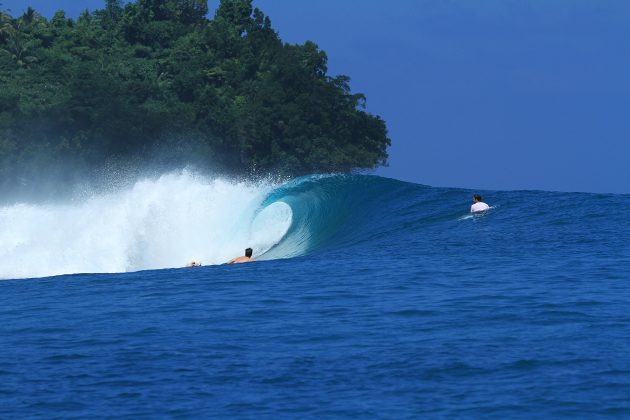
(16, 46)
(19, 52)
(29, 15)
(5, 24)
(4, 13)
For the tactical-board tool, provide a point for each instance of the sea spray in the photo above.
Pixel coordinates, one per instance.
(154, 223)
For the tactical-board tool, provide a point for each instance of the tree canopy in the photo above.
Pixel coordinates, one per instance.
(130, 79)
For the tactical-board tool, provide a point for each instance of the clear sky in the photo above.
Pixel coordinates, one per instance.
(493, 94)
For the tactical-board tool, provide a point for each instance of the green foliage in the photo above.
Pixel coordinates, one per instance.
(157, 75)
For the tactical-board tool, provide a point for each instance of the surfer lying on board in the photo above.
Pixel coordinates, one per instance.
(478, 205)
(246, 258)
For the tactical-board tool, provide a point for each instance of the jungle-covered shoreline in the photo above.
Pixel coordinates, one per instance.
(157, 80)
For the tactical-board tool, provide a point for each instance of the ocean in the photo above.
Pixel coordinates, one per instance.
(370, 298)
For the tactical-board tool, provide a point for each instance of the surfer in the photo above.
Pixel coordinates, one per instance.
(478, 205)
(246, 258)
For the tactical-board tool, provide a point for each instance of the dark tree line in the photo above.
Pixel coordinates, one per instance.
(130, 79)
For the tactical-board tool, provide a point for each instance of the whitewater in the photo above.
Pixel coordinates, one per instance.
(156, 223)
(370, 297)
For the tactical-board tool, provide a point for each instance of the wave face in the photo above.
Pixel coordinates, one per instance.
(167, 221)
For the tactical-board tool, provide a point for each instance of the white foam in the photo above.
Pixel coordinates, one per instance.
(156, 223)
(476, 214)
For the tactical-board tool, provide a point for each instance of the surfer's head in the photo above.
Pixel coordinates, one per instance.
(476, 198)
(248, 252)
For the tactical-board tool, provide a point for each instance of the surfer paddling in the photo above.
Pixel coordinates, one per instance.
(478, 205)
(244, 259)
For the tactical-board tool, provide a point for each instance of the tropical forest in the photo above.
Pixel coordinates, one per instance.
(170, 80)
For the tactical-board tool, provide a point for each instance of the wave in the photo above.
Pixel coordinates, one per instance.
(166, 221)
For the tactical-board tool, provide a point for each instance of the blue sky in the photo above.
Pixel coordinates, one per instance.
(488, 94)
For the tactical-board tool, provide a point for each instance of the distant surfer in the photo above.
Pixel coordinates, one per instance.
(478, 205)
(246, 258)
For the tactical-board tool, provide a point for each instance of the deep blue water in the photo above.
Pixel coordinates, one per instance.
(399, 306)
